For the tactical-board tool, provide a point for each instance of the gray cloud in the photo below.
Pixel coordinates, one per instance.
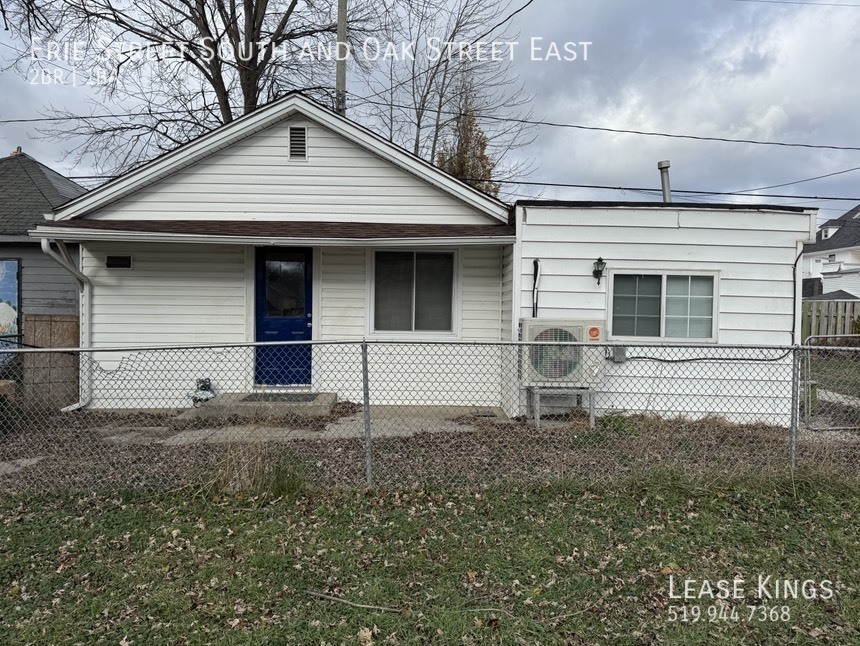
(714, 68)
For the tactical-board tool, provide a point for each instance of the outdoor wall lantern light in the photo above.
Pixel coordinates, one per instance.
(599, 266)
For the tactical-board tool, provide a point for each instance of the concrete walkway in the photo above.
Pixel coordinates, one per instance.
(386, 421)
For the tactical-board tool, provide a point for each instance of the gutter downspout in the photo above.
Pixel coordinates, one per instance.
(64, 259)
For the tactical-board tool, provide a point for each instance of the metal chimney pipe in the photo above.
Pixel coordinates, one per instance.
(664, 180)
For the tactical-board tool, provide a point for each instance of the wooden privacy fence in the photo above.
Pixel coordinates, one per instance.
(829, 318)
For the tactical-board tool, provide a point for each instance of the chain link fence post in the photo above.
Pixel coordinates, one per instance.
(368, 439)
(795, 403)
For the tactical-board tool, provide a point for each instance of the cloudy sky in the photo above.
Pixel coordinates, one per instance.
(774, 71)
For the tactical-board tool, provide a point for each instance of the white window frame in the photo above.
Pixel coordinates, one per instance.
(455, 332)
(610, 294)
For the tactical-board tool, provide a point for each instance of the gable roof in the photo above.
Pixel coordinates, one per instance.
(28, 189)
(848, 234)
(266, 116)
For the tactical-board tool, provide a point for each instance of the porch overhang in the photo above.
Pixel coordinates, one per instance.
(265, 233)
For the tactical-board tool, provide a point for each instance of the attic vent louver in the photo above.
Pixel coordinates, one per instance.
(298, 143)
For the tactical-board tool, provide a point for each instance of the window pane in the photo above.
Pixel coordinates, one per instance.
(676, 305)
(677, 285)
(702, 285)
(393, 291)
(701, 328)
(285, 288)
(648, 326)
(700, 306)
(648, 306)
(624, 305)
(636, 305)
(676, 326)
(434, 291)
(625, 285)
(624, 325)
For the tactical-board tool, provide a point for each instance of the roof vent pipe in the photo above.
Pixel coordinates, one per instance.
(664, 180)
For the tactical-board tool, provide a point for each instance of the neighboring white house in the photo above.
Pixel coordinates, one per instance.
(832, 263)
(294, 223)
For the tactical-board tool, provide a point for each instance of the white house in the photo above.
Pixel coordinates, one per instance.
(294, 223)
(712, 277)
(291, 223)
(831, 264)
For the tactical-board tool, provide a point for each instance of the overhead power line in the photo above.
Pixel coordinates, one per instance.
(687, 192)
(645, 133)
(551, 124)
(504, 21)
(801, 181)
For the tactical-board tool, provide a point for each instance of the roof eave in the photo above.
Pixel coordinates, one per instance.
(84, 235)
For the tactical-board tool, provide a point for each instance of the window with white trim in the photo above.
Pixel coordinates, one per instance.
(413, 291)
(677, 306)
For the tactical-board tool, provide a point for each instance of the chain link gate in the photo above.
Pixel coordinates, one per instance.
(831, 383)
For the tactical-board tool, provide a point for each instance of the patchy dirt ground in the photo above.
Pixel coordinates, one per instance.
(91, 451)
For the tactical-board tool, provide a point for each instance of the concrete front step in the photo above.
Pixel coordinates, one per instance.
(262, 406)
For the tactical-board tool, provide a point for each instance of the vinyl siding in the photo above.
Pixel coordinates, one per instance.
(753, 255)
(451, 374)
(255, 180)
(507, 293)
(849, 282)
(344, 308)
(173, 294)
(192, 294)
(481, 295)
(46, 288)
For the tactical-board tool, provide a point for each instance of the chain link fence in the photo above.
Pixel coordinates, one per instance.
(831, 384)
(416, 414)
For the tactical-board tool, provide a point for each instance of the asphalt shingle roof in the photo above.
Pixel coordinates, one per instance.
(838, 295)
(292, 229)
(28, 190)
(848, 234)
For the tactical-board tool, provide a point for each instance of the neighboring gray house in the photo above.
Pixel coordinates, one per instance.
(832, 263)
(42, 293)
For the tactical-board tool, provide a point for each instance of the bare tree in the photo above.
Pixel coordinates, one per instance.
(464, 154)
(182, 67)
(418, 99)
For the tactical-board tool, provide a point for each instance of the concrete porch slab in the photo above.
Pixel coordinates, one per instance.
(386, 421)
(261, 406)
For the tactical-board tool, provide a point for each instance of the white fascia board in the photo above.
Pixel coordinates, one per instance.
(247, 125)
(79, 235)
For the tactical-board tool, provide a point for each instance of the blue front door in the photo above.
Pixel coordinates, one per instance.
(283, 297)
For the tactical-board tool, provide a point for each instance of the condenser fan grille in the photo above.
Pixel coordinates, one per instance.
(555, 362)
